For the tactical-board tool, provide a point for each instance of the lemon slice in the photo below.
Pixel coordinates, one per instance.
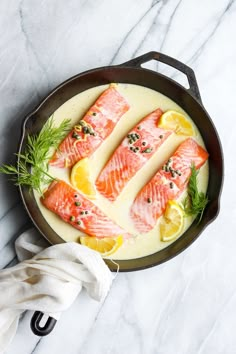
(173, 120)
(81, 178)
(106, 245)
(172, 223)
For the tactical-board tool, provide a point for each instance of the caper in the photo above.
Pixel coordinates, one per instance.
(85, 130)
(91, 132)
(147, 151)
(178, 172)
(167, 168)
(75, 136)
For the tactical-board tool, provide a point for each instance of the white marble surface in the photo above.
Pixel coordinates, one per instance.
(187, 305)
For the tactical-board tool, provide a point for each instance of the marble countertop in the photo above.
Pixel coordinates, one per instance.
(184, 306)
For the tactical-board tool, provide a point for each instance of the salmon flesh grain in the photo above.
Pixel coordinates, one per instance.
(81, 213)
(97, 124)
(134, 151)
(167, 184)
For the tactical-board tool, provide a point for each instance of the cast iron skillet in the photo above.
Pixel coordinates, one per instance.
(188, 99)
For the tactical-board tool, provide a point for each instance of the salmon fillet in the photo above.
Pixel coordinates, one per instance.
(81, 213)
(132, 154)
(92, 130)
(167, 184)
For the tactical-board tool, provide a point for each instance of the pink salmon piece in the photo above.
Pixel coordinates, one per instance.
(151, 201)
(100, 120)
(125, 161)
(72, 207)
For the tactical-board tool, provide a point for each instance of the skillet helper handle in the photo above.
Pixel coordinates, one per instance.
(163, 58)
(44, 330)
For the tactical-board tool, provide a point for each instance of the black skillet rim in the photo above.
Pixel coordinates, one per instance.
(170, 251)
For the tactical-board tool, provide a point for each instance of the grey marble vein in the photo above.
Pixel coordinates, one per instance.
(216, 25)
(151, 27)
(154, 3)
(12, 262)
(13, 220)
(29, 45)
(215, 323)
(36, 348)
(168, 28)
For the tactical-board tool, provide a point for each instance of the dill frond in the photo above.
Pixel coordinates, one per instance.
(32, 164)
(195, 202)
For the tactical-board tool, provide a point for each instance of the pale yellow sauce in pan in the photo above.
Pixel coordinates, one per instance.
(142, 101)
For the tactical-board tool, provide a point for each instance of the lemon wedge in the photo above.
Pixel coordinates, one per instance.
(81, 178)
(172, 222)
(176, 121)
(105, 246)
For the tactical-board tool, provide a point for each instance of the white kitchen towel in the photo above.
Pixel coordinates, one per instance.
(48, 280)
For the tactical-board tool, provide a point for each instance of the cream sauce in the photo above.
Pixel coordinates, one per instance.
(142, 101)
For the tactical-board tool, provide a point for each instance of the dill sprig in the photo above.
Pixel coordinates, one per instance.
(32, 165)
(195, 202)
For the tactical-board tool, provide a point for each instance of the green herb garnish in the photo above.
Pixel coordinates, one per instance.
(195, 202)
(32, 165)
(147, 151)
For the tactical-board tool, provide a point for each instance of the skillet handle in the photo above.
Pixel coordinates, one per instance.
(35, 324)
(163, 58)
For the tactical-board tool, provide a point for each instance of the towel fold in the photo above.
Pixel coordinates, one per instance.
(48, 280)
